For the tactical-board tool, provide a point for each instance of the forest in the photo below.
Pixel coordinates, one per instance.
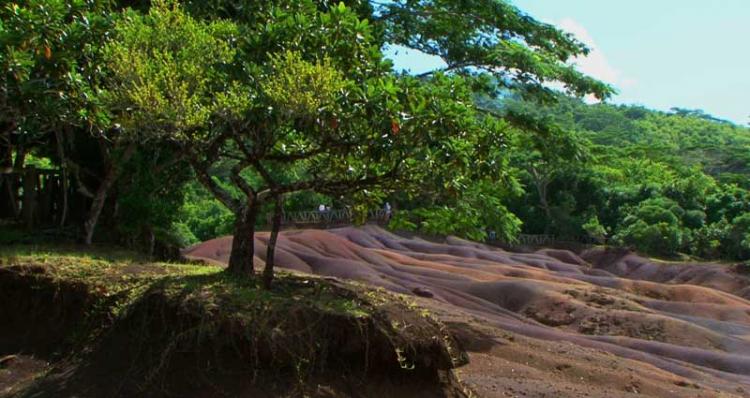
(166, 124)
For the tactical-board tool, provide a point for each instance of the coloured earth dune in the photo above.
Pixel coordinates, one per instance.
(553, 322)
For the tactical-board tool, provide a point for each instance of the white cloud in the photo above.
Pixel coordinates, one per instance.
(595, 64)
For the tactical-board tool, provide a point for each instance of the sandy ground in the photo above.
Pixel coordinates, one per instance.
(551, 323)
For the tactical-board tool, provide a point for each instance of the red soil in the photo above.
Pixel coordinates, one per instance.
(551, 323)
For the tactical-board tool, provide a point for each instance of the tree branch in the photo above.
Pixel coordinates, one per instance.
(291, 157)
(332, 186)
(446, 69)
(220, 193)
(237, 179)
(265, 174)
(201, 171)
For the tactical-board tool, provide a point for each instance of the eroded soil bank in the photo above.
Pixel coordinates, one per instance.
(122, 330)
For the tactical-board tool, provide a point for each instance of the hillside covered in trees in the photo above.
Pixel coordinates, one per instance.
(660, 182)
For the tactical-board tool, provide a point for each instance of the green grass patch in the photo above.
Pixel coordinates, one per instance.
(113, 271)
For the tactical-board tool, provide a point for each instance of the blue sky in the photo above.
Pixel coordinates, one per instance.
(658, 53)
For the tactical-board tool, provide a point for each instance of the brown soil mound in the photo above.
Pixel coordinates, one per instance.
(41, 318)
(687, 324)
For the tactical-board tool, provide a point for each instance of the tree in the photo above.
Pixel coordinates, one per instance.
(148, 197)
(738, 240)
(473, 213)
(42, 52)
(45, 74)
(331, 107)
(546, 155)
(48, 95)
(480, 37)
(476, 39)
(654, 226)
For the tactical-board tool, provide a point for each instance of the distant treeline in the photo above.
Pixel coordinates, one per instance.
(661, 182)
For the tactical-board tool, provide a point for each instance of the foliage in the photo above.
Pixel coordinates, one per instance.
(203, 216)
(738, 239)
(147, 208)
(300, 88)
(48, 47)
(491, 37)
(162, 71)
(662, 183)
(653, 226)
(595, 229)
(474, 214)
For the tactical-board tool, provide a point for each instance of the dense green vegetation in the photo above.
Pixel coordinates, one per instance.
(172, 122)
(664, 183)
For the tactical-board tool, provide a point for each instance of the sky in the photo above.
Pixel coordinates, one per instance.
(691, 54)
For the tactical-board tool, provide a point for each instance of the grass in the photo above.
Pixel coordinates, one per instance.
(113, 271)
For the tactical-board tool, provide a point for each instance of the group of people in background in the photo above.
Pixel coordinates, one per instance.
(324, 209)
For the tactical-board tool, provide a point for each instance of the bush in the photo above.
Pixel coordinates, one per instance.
(203, 216)
(401, 221)
(707, 241)
(183, 236)
(595, 229)
(462, 220)
(654, 227)
(694, 219)
(738, 239)
(661, 238)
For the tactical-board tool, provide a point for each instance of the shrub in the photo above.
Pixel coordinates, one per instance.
(654, 226)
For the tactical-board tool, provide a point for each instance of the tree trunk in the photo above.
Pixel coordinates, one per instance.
(46, 192)
(151, 241)
(541, 183)
(6, 157)
(13, 180)
(20, 157)
(13, 209)
(7, 207)
(547, 211)
(92, 218)
(275, 225)
(243, 241)
(63, 177)
(30, 183)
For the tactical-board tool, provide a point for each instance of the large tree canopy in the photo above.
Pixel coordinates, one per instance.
(329, 107)
(492, 37)
(473, 38)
